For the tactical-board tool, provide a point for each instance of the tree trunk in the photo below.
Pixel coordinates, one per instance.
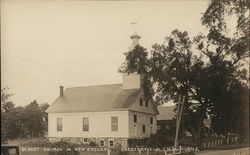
(198, 140)
(197, 132)
(178, 121)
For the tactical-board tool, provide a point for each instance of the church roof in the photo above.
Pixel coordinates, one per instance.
(95, 98)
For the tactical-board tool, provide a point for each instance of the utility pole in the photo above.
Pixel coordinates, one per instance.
(178, 120)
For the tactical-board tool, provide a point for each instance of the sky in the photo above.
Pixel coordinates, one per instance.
(45, 44)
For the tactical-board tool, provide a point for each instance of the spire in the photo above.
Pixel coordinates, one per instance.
(132, 80)
(135, 40)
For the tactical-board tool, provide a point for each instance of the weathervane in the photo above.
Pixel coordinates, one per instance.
(135, 34)
(133, 24)
(134, 37)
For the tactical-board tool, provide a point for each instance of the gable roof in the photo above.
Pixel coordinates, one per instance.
(166, 113)
(94, 99)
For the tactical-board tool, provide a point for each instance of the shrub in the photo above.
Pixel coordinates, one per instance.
(136, 142)
(155, 140)
(92, 143)
(64, 146)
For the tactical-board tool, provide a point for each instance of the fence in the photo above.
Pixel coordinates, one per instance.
(218, 142)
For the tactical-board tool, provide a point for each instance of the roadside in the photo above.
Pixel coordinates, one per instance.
(230, 149)
(241, 151)
(229, 146)
(29, 142)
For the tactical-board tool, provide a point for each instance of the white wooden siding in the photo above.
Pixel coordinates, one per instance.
(99, 124)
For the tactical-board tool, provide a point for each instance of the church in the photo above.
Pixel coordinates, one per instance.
(106, 115)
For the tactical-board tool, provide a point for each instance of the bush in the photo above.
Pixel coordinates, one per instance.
(64, 146)
(155, 140)
(136, 142)
(92, 143)
(160, 140)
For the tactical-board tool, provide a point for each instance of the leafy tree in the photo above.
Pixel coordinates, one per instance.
(215, 18)
(206, 78)
(43, 108)
(4, 96)
(34, 119)
(177, 71)
(170, 69)
(208, 69)
(4, 99)
(231, 57)
(21, 122)
(14, 123)
(12, 118)
(137, 62)
(6, 106)
(3, 128)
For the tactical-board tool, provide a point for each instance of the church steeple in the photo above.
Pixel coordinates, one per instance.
(132, 80)
(135, 40)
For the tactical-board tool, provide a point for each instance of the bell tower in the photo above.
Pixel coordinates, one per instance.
(135, 40)
(132, 80)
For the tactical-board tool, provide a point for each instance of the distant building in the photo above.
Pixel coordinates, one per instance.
(107, 115)
(165, 119)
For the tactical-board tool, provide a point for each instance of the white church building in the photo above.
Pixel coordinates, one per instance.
(107, 115)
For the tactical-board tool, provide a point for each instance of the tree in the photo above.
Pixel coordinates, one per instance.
(14, 123)
(6, 106)
(43, 108)
(21, 122)
(170, 69)
(12, 118)
(177, 71)
(231, 57)
(34, 121)
(137, 62)
(204, 76)
(215, 18)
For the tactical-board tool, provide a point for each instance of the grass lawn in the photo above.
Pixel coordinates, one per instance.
(30, 142)
(229, 146)
(42, 142)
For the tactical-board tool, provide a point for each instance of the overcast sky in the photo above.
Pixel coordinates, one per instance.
(78, 43)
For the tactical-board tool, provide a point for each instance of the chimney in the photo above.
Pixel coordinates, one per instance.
(61, 91)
